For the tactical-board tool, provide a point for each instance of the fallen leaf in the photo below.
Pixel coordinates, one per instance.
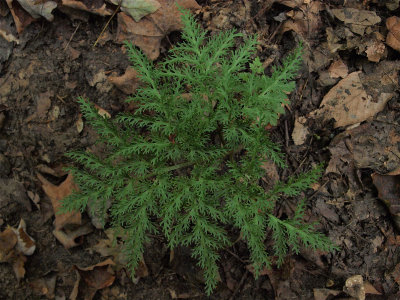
(6, 32)
(370, 289)
(338, 69)
(8, 240)
(127, 83)
(305, 21)
(25, 244)
(348, 103)
(35, 198)
(79, 124)
(42, 9)
(44, 286)
(357, 20)
(97, 7)
(56, 195)
(18, 264)
(21, 18)
(324, 294)
(300, 131)
(148, 32)
(354, 286)
(137, 9)
(393, 36)
(67, 237)
(95, 278)
(43, 103)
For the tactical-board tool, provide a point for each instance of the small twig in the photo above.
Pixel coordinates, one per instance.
(72, 36)
(108, 22)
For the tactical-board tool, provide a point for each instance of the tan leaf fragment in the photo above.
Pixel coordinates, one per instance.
(44, 286)
(305, 21)
(137, 9)
(357, 20)
(348, 103)
(56, 195)
(354, 286)
(94, 277)
(127, 83)
(148, 32)
(8, 240)
(393, 36)
(21, 18)
(67, 237)
(25, 243)
(376, 50)
(338, 69)
(41, 9)
(300, 131)
(95, 7)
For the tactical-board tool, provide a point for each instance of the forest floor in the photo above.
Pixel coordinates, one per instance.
(344, 112)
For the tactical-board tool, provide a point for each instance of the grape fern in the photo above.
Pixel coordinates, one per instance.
(189, 160)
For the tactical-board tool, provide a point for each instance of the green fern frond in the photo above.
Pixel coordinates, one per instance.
(189, 160)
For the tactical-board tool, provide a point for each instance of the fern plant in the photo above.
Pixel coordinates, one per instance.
(189, 160)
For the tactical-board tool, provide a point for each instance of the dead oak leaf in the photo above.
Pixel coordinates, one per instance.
(21, 18)
(97, 7)
(37, 10)
(56, 195)
(148, 32)
(95, 278)
(128, 82)
(8, 240)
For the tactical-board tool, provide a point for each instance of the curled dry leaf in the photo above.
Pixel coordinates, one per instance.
(8, 240)
(21, 18)
(348, 102)
(95, 278)
(354, 286)
(25, 243)
(137, 9)
(148, 32)
(393, 36)
(56, 195)
(67, 237)
(39, 9)
(338, 69)
(97, 7)
(127, 83)
(357, 20)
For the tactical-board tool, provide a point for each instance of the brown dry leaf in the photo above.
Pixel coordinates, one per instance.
(56, 195)
(324, 294)
(44, 286)
(348, 102)
(148, 32)
(300, 131)
(306, 21)
(21, 18)
(8, 240)
(127, 83)
(291, 3)
(18, 266)
(137, 9)
(41, 9)
(376, 50)
(357, 20)
(67, 237)
(97, 7)
(106, 248)
(95, 278)
(370, 289)
(43, 103)
(338, 69)
(6, 32)
(25, 244)
(393, 36)
(388, 187)
(354, 286)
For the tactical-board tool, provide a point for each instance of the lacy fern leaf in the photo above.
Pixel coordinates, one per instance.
(191, 155)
